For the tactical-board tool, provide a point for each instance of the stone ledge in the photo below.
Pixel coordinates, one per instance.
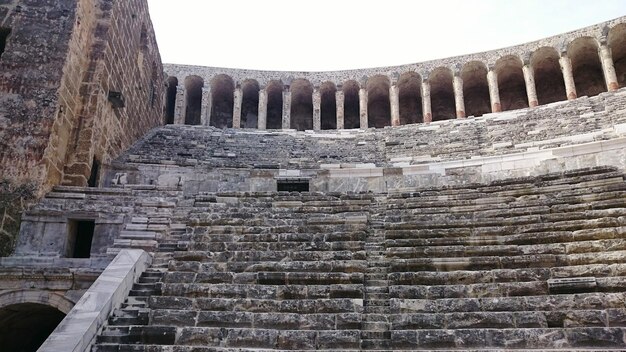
(78, 330)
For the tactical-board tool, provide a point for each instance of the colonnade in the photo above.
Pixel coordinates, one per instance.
(586, 67)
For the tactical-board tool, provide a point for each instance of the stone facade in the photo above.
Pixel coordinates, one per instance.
(470, 203)
(540, 72)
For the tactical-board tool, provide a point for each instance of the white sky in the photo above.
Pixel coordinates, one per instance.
(320, 35)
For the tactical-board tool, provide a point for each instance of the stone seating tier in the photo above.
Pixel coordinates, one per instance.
(525, 263)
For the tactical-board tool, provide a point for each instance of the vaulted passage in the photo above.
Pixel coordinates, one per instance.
(617, 43)
(222, 97)
(170, 99)
(250, 104)
(274, 105)
(328, 106)
(351, 105)
(549, 82)
(586, 67)
(24, 327)
(511, 83)
(442, 94)
(475, 89)
(301, 105)
(378, 105)
(410, 98)
(193, 103)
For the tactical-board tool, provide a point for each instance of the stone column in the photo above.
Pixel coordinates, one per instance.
(179, 107)
(205, 107)
(238, 98)
(426, 107)
(317, 109)
(608, 68)
(531, 91)
(339, 100)
(459, 101)
(394, 102)
(494, 92)
(363, 107)
(262, 121)
(286, 108)
(568, 77)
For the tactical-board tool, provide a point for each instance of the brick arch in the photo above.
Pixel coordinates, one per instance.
(193, 100)
(171, 86)
(250, 103)
(475, 88)
(511, 83)
(410, 98)
(274, 91)
(351, 104)
(47, 298)
(617, 43)
(586, 66)
(549, 82)
(328, 106)
(378, 104)
(222, 101)
(442, 94)
(301, 105)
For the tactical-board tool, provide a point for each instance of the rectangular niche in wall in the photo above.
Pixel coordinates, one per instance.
(80, 236)
(292, 185)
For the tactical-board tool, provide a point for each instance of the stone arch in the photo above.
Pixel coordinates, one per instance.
(250, 104)
(410, 98)
(617, 43)
(223, 99)
(549, 83)
(475, 89)
(274, 105)
(193, 100)
(351, 105)
(301, 105)
(27, 318)
(586, 66)
(511, 83)
(328, 106)
(170, 99)
(378, 105)
(442, 94)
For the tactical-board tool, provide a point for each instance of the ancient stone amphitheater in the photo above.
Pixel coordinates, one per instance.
(468, 203)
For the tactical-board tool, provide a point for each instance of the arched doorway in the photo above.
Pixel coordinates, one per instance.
(475, 89)
(586, 67)
(222, 97)
(511, 83)
(617, 43)
(301, 105)
(250, 104)
(378, 105)
(410, 98)
(170, 99)
(25, 326)
(351, 105)
(274, 105)
(328, 106)
(193, 103)
(549, 82)
(442, 94)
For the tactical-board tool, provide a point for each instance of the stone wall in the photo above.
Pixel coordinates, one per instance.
(62, 61)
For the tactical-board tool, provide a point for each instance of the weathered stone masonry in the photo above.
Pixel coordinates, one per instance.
(580, 63)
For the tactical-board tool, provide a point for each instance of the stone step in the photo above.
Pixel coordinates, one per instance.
(271, 292)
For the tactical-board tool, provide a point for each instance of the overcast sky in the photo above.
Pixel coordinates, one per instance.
(322, 35)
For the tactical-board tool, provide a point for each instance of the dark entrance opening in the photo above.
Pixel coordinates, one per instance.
(293, 185)
(4, 35)
(80, 238)
(94, 178)
(24, 327)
